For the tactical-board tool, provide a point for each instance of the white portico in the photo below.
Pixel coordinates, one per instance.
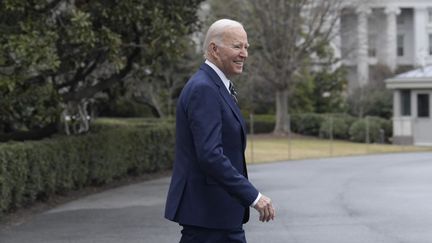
(412, 120)
(396, 33)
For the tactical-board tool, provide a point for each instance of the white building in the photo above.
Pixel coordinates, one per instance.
(412, 120)
(396, 33)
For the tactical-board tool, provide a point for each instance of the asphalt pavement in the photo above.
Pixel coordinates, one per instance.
(367, 199)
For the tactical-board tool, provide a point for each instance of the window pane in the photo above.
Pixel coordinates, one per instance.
(430, 14)
(372, 45)
(400, 19)
(423, 105)
(406, 103)
(400, 45)
(430, 44)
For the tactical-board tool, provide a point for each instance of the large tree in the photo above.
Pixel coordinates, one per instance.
(81, 47)
(292, 34)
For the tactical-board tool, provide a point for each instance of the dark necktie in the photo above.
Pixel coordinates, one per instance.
(233, 92)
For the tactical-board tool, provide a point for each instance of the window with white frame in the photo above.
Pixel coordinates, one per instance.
(400, 45)
(405, 102)
(423, 105)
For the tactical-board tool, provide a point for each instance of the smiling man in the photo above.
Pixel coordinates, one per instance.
(210, 194)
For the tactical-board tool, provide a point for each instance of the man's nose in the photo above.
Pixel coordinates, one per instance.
(244, 53)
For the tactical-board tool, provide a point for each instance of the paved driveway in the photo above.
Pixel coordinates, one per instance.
(382, 198)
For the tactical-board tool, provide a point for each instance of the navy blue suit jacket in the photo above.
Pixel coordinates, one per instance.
(209, 186)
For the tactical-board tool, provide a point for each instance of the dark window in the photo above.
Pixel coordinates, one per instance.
(372, 45)
(406, 103)
(400, 20)
(400, 45)
(423, 105)
(430, 15)
(430, 44)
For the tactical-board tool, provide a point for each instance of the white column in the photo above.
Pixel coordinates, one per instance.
(396, 103)
(391, 36)
(420, 36)
(396, 113)
(362, 45)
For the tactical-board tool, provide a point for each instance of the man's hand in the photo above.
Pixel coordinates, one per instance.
(265, 208)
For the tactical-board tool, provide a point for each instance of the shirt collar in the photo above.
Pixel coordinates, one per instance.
(221, 75)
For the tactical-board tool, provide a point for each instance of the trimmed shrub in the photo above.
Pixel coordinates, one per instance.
(37, 169)
(379, 130)
(307, 124)
(338, 124)
(262, 124)
(343, 126)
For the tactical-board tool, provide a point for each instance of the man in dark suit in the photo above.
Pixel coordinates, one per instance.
(210, 193)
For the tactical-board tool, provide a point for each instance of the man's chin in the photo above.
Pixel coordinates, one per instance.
(235, 72)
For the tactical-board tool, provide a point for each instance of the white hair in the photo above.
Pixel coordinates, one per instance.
(216, 32)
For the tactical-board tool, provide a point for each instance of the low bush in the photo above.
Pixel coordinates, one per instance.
(343, 126)
(379, 130)
(307, 124)
(262, 124)
(338, 125)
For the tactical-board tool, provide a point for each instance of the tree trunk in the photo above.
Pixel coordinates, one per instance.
(150, 102)
(282, 120)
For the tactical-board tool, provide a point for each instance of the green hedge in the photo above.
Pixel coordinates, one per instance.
(37, 169)
(380, 130)
(338, 124)
(343, 126)
(307, 124)
(262, 123)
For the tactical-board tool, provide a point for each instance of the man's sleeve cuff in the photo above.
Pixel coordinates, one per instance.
(256, 200)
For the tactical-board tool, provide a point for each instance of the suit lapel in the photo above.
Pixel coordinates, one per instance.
(227, 97)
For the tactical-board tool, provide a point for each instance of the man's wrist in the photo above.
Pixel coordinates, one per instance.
(256, 200)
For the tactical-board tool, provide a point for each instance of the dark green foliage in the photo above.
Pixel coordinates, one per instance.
(371, 101)
(307, 124)
(328, 91)
(262, 124)
(27, 107)
(380, 104)
(379, 130)
(343, 126)
(31, 171)
(122, 107)
(81, 48)
(301, 98)
(338, 125)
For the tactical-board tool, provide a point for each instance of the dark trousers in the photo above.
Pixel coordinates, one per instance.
(193, 234)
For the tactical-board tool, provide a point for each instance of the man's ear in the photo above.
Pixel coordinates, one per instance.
(212, 49)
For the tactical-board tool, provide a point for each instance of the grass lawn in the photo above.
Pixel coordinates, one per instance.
(267, 148)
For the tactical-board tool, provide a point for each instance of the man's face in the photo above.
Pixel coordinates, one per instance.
(232, 53)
